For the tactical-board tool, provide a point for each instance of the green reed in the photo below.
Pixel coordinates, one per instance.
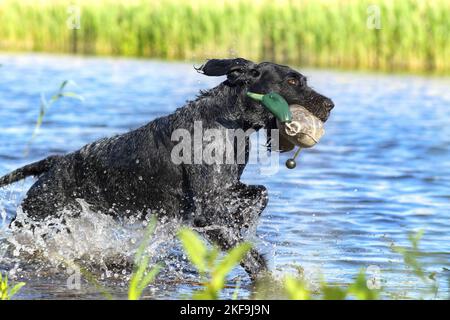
(325, 33)
(7, 291)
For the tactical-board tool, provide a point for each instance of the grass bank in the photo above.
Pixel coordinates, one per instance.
(413, 34)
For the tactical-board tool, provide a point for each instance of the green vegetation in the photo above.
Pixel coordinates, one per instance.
(325, 33)
(296, 288)
(411, 257)
(213, 270)
(6, 291)
(46, 104)
(142, 276)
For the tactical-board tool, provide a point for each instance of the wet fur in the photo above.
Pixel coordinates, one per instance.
(133, 172)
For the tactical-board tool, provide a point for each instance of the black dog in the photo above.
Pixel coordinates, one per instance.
(134, 172)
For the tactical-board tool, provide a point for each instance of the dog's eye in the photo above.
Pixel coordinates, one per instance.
(293, 81)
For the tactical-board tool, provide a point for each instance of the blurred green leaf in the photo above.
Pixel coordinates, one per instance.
(232, 259)
(72, 95)
(6, 291)
(16, 288)
(46, 104)
(141, 276)
(296, 289)
(206, 261)
(412, 254)
(333, 293)
(236, 290)
(195, 249)
(360, 290)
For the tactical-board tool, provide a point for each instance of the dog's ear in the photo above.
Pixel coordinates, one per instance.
(234, 69)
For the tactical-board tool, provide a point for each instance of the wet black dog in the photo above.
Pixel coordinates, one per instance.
(134, 172)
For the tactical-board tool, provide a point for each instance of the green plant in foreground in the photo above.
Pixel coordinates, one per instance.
(142, 276)
(296, 288)
(411, 257)
(6, 291)
(213, 270)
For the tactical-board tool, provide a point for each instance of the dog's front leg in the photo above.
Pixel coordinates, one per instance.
(254, 263)
(223, 216)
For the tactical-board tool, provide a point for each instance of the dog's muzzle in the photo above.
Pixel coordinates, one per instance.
(297, 125)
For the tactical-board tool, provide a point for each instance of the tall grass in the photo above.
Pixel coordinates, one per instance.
(413, 36)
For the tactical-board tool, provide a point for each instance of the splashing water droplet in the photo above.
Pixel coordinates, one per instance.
(97, 242)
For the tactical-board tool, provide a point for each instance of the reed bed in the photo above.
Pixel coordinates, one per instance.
(414, 34)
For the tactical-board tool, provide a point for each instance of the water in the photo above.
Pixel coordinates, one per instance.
(381, 171)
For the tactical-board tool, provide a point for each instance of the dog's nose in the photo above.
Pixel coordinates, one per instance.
(328, 104)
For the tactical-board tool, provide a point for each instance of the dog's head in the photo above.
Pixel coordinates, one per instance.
(263, 78)
(269, 77)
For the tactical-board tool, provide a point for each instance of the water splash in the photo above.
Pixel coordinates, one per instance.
(94, 241)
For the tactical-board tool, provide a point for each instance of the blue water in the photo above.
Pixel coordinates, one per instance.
(381, 171)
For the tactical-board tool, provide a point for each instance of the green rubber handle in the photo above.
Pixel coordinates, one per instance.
(275, 103)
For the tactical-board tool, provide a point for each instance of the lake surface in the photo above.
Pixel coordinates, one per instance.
(381, 171)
